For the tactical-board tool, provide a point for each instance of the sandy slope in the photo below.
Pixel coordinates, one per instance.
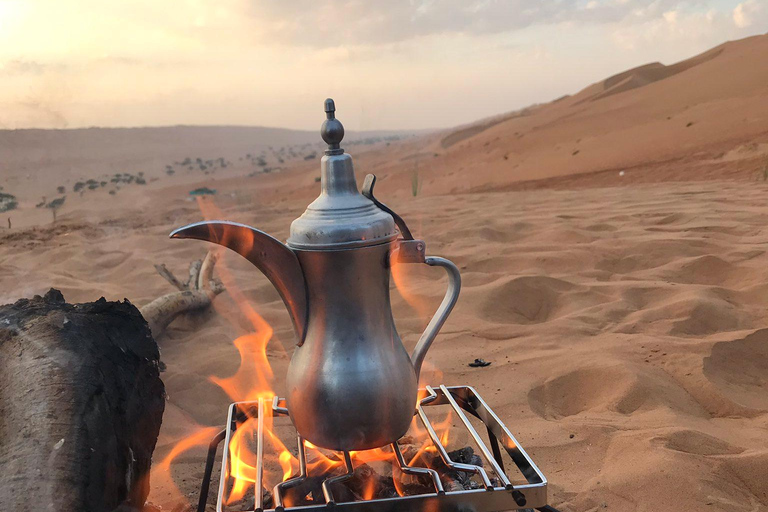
(698, 119)
(632, 319)
(626, 324)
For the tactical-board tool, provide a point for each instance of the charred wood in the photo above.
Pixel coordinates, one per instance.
(81, 403)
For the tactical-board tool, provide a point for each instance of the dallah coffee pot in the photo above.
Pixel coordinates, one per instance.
(351, 385)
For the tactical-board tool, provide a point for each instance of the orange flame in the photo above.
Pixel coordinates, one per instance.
(251, 382)
(286, 462)
(402, 277)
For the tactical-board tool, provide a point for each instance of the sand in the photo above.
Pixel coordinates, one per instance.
(624, 316)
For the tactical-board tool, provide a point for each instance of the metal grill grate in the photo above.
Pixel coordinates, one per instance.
(498, 493)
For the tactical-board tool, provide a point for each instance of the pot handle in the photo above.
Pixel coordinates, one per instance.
(411, 251)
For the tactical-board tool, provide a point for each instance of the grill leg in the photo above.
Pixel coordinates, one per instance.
(206, 484)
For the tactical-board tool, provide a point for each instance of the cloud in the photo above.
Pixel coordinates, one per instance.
(747, 13)
(687, 28)
(22, 67)
(371, 22)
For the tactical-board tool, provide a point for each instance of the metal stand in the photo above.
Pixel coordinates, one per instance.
(463, 400)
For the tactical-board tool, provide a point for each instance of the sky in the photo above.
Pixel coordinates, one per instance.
(389, 64)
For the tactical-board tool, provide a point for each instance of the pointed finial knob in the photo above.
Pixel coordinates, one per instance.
(332, 130)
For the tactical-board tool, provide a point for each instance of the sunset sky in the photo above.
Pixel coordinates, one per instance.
(388, 64)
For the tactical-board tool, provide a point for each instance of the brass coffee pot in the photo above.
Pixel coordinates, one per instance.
(351, 384)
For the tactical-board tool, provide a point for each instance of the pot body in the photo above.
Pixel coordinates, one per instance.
(351, 384)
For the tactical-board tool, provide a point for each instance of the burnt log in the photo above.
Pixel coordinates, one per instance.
(81, 403)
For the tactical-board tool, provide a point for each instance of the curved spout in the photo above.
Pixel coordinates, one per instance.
(275, 260)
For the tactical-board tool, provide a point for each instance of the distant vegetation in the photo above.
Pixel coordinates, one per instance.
(264, 161)
(207, 166)
(374, 140)
(8, 202)
(202, 191)
(55, 205)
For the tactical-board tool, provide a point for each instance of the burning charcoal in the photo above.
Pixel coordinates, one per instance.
(410, 451)
(365, 480)
(466, 455)
(387, 492)
(307, 492)
(454, 480)
(310, 491)
(450, 483)
(479, 363)
(342, 493)
(266, 496)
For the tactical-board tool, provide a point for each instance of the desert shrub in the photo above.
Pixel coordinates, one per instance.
(202, 191)
(55, 205)
(8, 202)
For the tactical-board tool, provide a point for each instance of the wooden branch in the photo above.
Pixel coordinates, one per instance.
(206, 272)
(194, 295)
(168, 275)
(194, 273)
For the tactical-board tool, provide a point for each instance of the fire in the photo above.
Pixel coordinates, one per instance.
(402, 277)
(286, 462)
(317, 461)
(252, 379)
(201, 437)
(251, 382)
(162, 477)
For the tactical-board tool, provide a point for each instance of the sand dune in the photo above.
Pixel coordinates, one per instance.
(702, 118)
(626, 325)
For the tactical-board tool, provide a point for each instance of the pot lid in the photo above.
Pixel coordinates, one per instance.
(341, 217)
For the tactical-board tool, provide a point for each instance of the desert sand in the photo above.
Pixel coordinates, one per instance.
(614, 273)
